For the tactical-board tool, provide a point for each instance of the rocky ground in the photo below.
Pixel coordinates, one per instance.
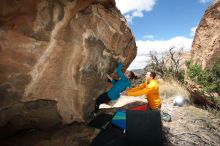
(190, 126)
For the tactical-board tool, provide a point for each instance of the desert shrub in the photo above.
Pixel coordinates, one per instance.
(214, 78)
(196, 73)
(208, 79)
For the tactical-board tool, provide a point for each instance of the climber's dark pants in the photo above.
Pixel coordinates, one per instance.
(103, 98)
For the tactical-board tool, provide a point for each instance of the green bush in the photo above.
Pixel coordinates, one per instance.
(214, 78)
(207, 78)
(196, 73)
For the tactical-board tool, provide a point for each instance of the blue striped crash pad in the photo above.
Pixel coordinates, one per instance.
(119, 119)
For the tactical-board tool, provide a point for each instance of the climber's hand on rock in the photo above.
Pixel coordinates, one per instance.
(121, 59)
(109, 77)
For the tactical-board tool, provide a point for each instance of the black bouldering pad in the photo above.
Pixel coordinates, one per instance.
(111, 136)
(144, 128)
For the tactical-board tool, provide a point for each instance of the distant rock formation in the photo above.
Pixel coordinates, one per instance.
(54, 55)
(206, 44)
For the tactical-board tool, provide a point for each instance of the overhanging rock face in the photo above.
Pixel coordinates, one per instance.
(54, 55)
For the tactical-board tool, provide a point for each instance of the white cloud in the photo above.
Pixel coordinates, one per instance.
(148, 37)
(144, 47)
(129, 18)
(205, 1)
(193, 30)
(138, 14)
(134, 8)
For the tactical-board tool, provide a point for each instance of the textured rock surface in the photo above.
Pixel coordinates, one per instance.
(54, 55)
(206, 44)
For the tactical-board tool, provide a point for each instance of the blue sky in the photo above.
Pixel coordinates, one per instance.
(161, 24)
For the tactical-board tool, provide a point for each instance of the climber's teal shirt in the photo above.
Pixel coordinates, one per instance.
(120, 85)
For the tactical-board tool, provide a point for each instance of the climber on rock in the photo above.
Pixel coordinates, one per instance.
(118, 86)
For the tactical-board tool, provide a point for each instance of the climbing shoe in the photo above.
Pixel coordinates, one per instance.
(92, 115)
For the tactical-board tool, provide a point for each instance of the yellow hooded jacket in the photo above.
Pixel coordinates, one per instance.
(151, 90)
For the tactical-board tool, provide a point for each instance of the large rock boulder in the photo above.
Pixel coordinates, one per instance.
(54, 55)
(206, 44)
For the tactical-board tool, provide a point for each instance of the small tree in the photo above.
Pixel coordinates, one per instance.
(157, 63)
(167, 64)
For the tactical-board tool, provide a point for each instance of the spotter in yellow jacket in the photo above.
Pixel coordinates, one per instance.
(150, 88)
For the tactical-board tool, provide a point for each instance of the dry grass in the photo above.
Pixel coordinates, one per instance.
(214, 111)
(172, 88)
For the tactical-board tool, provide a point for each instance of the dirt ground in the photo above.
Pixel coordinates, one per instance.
(190, 126)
